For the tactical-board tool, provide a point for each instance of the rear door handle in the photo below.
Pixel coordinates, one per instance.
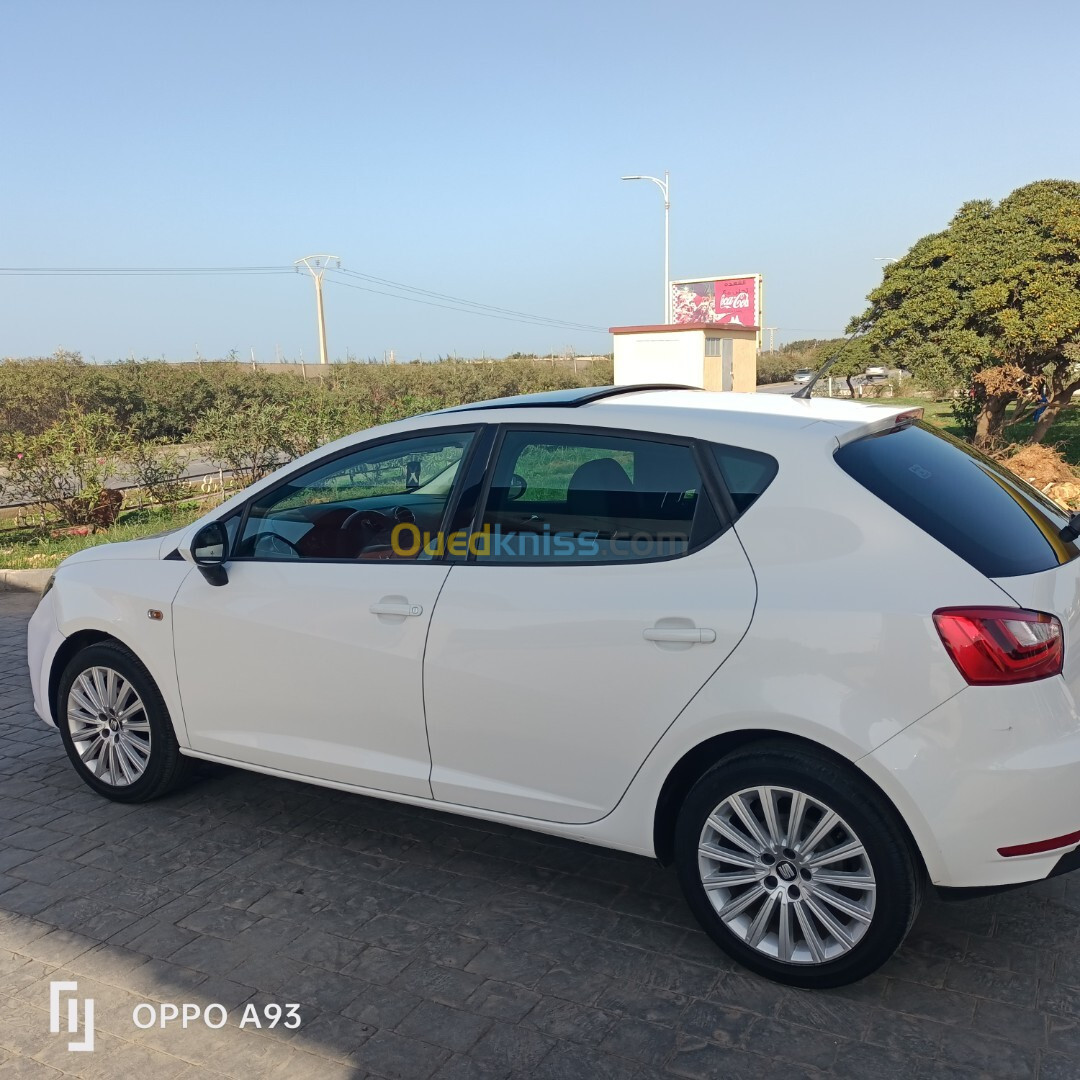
(689, 635)
(396, 609)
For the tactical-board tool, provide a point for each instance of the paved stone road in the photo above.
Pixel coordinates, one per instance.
(421, 945)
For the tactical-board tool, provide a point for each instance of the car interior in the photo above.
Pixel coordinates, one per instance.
(305, 520)
(641, 500)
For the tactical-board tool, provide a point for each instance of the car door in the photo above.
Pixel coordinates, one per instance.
(602, 593)
(309, 659)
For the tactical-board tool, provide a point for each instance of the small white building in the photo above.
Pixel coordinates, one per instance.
(714, 356)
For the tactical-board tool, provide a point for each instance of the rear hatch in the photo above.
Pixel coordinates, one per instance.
(982, 512)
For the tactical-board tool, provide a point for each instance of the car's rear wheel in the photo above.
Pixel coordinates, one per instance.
(796, 866)
(115, 726)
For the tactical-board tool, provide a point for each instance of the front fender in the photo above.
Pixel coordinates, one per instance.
(114, 597)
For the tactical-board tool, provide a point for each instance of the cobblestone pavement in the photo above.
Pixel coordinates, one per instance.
(422, 945)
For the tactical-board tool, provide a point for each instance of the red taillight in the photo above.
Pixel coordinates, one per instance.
(1040, 845)
(993, 646)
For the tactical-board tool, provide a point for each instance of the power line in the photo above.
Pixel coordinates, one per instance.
(474, 303)
(427, 297)
(471, 311)
(137, 271)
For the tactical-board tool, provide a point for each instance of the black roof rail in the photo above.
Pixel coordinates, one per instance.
(572, 398)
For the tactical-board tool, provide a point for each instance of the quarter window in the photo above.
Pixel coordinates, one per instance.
(746, 474)
(571, 497)
(350, 507)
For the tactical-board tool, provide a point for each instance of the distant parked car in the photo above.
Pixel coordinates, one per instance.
(877, 371)
(803, 375)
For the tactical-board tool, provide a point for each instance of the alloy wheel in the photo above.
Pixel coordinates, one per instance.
(787, 875)
(109, 726)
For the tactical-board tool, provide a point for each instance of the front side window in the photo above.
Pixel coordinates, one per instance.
(573, 497)
(351, 507)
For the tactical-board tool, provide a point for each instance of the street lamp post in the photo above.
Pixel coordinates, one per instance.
(665, 186)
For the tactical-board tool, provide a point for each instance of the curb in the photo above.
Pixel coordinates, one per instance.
(24, 580)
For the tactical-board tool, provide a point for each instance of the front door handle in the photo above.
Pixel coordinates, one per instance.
(396, 609)
(686, 635)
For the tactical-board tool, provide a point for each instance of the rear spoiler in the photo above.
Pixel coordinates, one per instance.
(889, 422)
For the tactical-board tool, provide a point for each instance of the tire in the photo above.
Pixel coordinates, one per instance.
(795, 918)
(115, 726)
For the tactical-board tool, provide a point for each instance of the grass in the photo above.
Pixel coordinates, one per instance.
(1063, 436)
(36, 549)
(938, 413)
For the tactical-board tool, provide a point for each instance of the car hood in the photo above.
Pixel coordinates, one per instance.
(147, 547)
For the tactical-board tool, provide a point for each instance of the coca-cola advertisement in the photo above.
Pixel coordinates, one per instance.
(717, 300)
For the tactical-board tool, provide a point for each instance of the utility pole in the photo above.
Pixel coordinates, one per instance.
(316, 266)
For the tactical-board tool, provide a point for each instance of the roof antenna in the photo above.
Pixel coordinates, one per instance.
(805, 391)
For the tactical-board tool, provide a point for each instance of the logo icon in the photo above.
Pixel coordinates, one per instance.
(72, 1028)
(786, 871)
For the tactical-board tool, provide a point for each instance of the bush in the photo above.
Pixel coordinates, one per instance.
(64, 471)
(157, 470)
(773, 367)
(965, 409)
(35, 393)
(245, 440)
(165, 403)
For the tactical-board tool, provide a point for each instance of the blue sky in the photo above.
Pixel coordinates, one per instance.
(474, 149)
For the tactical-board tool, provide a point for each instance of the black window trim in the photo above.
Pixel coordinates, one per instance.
(482, 434)
(713, 483)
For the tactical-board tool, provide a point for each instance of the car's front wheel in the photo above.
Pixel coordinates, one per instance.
(795, 866)
(115, 725)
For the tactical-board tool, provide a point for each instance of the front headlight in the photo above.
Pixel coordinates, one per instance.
(49, 583)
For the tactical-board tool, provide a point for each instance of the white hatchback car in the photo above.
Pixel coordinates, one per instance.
(814, 653)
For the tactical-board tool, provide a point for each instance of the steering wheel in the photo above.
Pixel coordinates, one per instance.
(372, 520)
(374, 524)
(270, 545)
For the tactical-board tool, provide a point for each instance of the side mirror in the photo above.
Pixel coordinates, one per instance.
(518, 487)
(209, 550)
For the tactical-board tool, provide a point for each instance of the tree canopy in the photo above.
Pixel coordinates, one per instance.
(992, 301)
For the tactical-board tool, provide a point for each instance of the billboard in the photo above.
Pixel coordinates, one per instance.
(717, 300)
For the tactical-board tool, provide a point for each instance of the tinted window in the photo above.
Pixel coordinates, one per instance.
(746, 474)
(349, 507)
(975, 507)
(578, 498)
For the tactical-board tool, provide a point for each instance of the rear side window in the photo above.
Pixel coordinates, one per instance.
(975, 507)
(586, 497)
(746, 474)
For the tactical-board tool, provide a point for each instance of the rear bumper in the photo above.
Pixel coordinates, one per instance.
(991, 768)
(1065, 865)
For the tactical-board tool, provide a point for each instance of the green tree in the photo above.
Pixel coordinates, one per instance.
(992, 302)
